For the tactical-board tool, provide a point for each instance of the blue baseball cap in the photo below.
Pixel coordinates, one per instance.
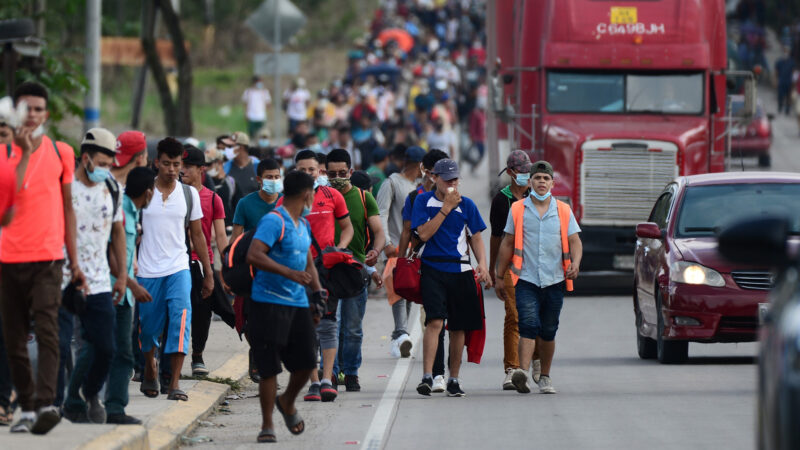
(447, 169)
(415, 154)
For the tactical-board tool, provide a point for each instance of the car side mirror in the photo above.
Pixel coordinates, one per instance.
(760, 241)
(648, 230)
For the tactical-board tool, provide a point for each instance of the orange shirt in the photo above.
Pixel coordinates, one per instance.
(37, 231)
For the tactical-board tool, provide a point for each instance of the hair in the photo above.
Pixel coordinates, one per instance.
(299, 140)
(297, 183)
(140, 179)
(378, 157)
(171, 147)
(361, 180)
(432, 157)
(338, 155)
(398, 152)
(256, 79)
(267, 164)
(221, 138)
(322, 159)
(304, 154)
(31, 88)
(310, 136)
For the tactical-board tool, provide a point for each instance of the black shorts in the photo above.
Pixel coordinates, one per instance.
(451, 296)
(281, 333)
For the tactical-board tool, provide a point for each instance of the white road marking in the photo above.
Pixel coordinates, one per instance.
(384, 414)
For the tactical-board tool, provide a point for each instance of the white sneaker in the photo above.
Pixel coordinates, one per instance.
(439, 384)
(546, 385)
(520, 379)
(405, 344)
(395, 351)
(508, 385)
(537, 370)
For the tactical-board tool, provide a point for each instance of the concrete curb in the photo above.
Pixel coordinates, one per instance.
(164, 430)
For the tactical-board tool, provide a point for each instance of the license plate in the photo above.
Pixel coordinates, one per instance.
(763, 309)
(624, 262)
(624, 14)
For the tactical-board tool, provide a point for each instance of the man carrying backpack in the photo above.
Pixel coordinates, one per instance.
(97, 201)
(164, 267)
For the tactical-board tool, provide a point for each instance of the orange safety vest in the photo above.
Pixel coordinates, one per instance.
(517, 214)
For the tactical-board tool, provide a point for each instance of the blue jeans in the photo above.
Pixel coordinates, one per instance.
(94, 359)
(351, 333)
(119, 375)
(65, 332)
(539, 309)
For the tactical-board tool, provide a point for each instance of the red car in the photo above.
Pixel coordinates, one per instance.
(754, 137)
(684, 290)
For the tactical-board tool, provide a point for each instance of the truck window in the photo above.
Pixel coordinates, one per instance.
(625, 93)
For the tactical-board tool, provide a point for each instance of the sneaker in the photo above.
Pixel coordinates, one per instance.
(328, 392)
(425, 387)
(395, 351)
(123, 419)
(47, 418)
(520, 380)
(22, 426)
(199, 368)
(95, 410)
(546, 385)
(313, 393)
(454, 389)
(75, 416)
(351, 383)
(537, 370)
(405, 345)
(508, 385)
(439, 384)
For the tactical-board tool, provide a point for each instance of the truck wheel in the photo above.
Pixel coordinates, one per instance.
(16, 29)
(668, 352)
(645, 346)
(764, 161)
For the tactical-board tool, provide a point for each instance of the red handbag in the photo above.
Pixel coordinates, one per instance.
(406, 276)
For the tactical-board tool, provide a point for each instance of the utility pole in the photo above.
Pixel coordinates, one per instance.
(491, 116)
(276, 50)
(40, 8)
(91, 111)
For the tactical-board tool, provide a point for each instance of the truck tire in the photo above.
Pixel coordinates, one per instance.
(16, 29)
(668, 352)
(764, 161)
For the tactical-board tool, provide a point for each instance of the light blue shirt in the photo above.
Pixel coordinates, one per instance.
(541, 244)
(131, 220)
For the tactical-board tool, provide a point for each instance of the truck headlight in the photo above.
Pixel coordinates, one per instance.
(693, 273)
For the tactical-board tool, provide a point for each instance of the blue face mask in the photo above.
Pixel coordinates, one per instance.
(522, 179)
(321, 180)
(98, 175)
(263, 142)
(306, 211)
(272, 186)
(541, 198)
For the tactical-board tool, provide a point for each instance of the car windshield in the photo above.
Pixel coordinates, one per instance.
(589, 92)
(706, 209)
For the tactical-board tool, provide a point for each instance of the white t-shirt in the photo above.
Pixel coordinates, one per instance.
(162, 251)
(93, 207)
(256, 100)
(297, 108)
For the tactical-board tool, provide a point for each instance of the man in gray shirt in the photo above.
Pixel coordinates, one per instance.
(391, 198)
(241, 167)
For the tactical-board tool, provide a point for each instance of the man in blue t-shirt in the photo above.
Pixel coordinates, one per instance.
(448, 223)
(281, 319)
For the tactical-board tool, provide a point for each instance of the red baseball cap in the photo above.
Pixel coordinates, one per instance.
(129, 144)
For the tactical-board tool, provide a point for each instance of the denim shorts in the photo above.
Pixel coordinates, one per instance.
(539, 309)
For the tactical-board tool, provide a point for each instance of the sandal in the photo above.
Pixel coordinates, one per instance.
(6, 418)
(177, 394)
(149, 388)
(292, 420)
(266, 436)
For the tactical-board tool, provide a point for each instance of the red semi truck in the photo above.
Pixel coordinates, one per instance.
(620, 96)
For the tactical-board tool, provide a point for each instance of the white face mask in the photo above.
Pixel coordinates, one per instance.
(230, 153)
(38, 132)
(212, 172)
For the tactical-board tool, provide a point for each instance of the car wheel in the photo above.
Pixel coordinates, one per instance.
(668, 352)
(764, 161)
(645, 346)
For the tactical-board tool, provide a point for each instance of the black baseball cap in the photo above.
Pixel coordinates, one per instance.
(193, 156)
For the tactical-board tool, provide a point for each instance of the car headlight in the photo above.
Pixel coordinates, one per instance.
(693, 273)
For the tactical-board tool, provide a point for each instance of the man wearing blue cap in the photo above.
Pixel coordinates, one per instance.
(448, 223)
(391, 199)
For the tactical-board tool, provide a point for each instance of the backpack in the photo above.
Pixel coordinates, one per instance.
(238, 275)
(55, 147)
(344, 279)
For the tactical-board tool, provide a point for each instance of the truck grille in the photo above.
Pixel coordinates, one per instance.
(620, 181)
(759, 281)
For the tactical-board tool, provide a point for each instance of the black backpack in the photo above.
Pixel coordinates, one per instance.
(342, 280)
(238, 275)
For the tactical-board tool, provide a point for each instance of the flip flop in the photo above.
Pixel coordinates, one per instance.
(149, 388)
(293, 420)
(177, 394)
(266, 436)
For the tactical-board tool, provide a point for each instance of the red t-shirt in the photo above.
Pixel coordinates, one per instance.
(329, 206)
(213, 209)
(8, 184)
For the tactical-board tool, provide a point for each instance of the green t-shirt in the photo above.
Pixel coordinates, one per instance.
(356, 208)
(376, 172)
(251, 209)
